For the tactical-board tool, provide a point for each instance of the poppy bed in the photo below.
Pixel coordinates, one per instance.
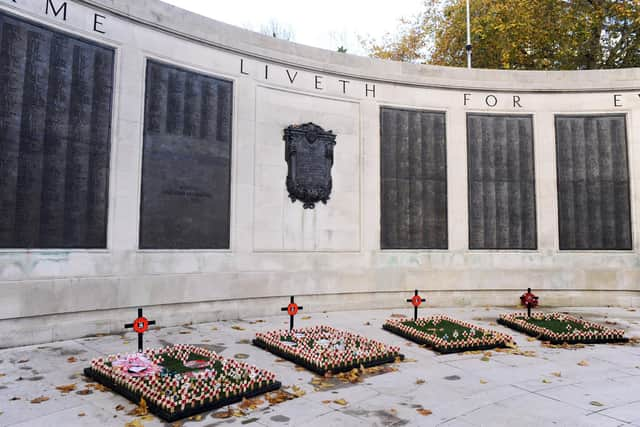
(323, 349)
(180, 381)
(447, 335)
(559, 328)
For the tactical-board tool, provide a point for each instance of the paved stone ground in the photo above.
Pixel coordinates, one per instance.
(551, 387)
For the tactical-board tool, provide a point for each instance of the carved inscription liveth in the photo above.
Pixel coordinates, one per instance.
(309, 154)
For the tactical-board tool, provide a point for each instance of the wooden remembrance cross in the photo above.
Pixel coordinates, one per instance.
(529, 300)
(140, 325)
(292, 309)
(416, 301)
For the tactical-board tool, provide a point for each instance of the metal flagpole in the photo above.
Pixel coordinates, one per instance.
(468, 36)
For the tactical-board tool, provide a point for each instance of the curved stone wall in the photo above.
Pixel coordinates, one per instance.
(535, 171)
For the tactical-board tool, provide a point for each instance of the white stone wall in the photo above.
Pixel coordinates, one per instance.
(331, 256)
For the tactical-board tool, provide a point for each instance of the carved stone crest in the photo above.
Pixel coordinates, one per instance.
(309, 154)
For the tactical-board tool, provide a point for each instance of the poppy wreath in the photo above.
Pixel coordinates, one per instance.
(182, 380)
(529, 300)
(292, 309)
(141, 325)
(416, 301)
(447, 335)
(560, 328)
(323, 349)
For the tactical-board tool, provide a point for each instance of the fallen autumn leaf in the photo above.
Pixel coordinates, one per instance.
(140, 410)
(64, 389)
(223, 415)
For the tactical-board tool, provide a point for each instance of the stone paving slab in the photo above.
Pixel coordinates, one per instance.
(596, 385)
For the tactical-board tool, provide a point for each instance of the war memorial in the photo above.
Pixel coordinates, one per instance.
(289, 221)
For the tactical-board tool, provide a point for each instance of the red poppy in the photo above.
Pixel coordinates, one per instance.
(292, 309)
(141, 325)
(416, 301)
(529, 299)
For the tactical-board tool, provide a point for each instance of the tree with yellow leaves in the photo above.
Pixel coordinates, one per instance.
(520, 34)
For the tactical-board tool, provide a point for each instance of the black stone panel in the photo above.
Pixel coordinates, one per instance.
(593, 183)
(55, 130)
(502, 203)
(413, 180)
(186, 171)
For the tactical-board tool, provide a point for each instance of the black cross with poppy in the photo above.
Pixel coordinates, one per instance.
(417, 300)
(529, 300)
(140, 325)
(292, 309)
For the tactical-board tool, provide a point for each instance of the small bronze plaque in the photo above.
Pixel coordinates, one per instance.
(309, 154)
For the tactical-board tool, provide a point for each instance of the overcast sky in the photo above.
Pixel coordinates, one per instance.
(326, 24)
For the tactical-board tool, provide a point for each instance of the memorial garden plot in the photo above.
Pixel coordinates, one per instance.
(182, 380)
(323, 349)
(447, 335)
(558, 328)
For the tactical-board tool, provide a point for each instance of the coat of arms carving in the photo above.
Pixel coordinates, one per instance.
(309, 154)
